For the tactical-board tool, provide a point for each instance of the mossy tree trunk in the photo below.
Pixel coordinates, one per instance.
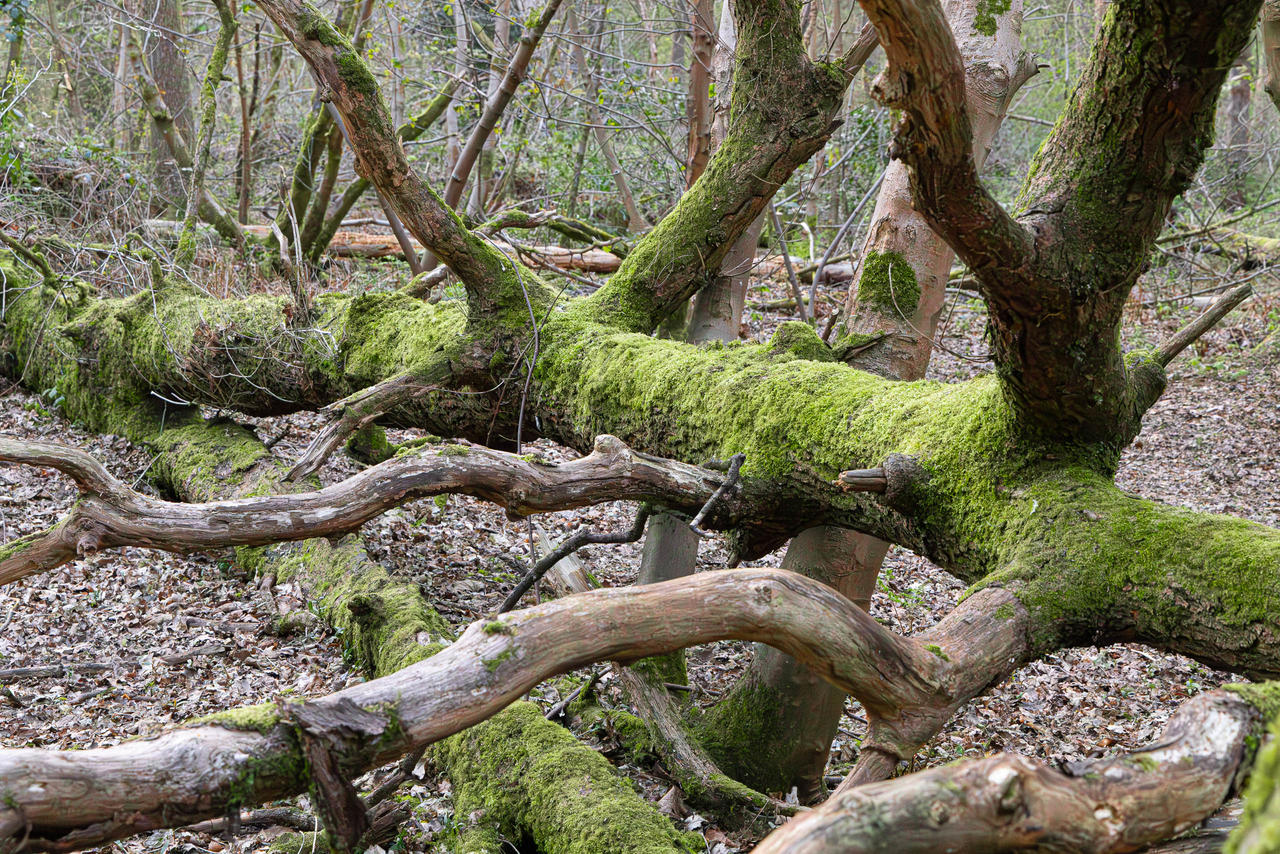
(385, 623)
(889, 331)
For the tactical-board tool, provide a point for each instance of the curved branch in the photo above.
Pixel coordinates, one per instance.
(1010, 803)
(68, 800)
(925, 79)
(113, 515)
(348, 84)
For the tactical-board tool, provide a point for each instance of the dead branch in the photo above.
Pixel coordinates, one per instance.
(1189, 334)
(580, 538)
(197, 772)
(358, 410)
(111, 514)
(1009, 802)
(359, 244)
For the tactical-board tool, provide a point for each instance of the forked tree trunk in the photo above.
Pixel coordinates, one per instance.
(1007, 480)
(779, 701)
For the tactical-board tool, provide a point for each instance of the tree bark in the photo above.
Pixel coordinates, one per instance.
(168, 64)
(698, 107)
(1007, 480)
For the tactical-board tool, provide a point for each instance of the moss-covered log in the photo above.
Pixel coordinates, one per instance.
(1005, 480)
(384, 622)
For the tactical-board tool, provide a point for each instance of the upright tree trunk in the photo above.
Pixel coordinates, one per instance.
(716, 311)
(168, 66)
(698, 105)
(780, 701)
(1271, 48)
(483, 184)
(120, 113)
(461, 67)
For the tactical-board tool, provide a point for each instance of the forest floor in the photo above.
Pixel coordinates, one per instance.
(178, 637)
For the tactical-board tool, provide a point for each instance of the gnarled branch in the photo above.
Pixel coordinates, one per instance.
(252, 756)
(1010, 803)
(112, 515)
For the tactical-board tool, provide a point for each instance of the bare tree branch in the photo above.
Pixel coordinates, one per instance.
(112, 515)
(66, 801)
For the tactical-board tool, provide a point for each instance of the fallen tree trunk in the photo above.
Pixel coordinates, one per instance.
(384, 622)
(254, 755)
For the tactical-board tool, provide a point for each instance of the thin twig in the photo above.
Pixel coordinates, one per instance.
(730, 481)
(578, 540)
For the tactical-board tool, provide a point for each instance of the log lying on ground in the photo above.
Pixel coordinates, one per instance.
(1012, 803)
(360, 244)
(384, 622)
(1251, 250)
(69, 800)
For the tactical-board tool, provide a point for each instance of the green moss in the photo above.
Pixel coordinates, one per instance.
(888, 282)
(492, 664)
(850, 344)
(454, 451)
(1263, 696)
(661, 669)
(1085, 553)
(938, 651)
(743, 735)
(1143, 761)
(1004, 612)
(986, 12)
(498, 627)
(283, 771)
(800, 340)
(369, 445)
(262, 718)
(385, 623)
(1259, 828)
(633, 733)
(534, 781)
